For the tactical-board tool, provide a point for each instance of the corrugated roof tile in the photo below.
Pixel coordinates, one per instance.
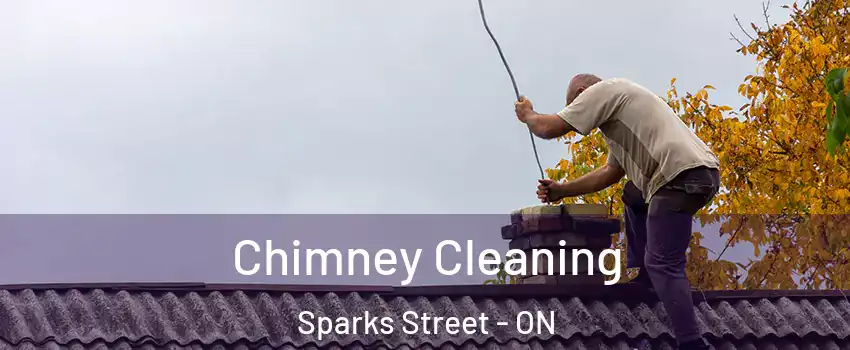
(47, 319)
(578, 343)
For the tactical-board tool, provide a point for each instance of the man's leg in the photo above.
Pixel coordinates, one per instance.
(669, 232)
(635, 209)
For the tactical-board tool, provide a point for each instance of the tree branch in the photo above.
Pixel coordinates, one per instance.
(764, 7)
(742, 28)
(729, 241)
(767, 273)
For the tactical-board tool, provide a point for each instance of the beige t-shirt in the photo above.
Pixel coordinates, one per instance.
(645, 136)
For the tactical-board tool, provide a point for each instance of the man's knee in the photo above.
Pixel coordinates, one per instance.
(672, 265)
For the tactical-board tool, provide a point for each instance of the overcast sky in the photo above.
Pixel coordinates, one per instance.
(309, 106)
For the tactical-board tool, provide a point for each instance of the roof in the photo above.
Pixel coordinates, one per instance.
(210, 316)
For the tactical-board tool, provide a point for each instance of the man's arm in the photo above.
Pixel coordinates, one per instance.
(594, 181)
(547, 126)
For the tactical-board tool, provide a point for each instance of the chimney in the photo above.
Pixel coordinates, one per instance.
(580, 226)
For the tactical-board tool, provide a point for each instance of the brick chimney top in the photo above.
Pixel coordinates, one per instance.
(561, 228)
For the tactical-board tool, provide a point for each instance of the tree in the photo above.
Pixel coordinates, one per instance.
(502, 277)
(782, 191)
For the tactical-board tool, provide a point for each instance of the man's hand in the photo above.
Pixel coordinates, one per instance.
(523, 109)
(549, 191)
(545, 126)
(594, 181)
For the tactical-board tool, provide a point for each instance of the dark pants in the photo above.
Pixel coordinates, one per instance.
(658, 237)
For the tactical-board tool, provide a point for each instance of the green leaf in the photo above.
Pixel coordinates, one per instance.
(838, 128)
(839, 124)
(829, 114)
(841, 118)
(835, 82)
(844, 77)
(831, 141)
(831, 131)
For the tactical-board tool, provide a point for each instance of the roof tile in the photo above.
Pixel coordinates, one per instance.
(100, 318)
(577, 343)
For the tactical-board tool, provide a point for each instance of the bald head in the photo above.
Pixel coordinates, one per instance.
(578, 84)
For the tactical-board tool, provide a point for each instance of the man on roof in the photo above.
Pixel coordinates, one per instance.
(672, 174)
